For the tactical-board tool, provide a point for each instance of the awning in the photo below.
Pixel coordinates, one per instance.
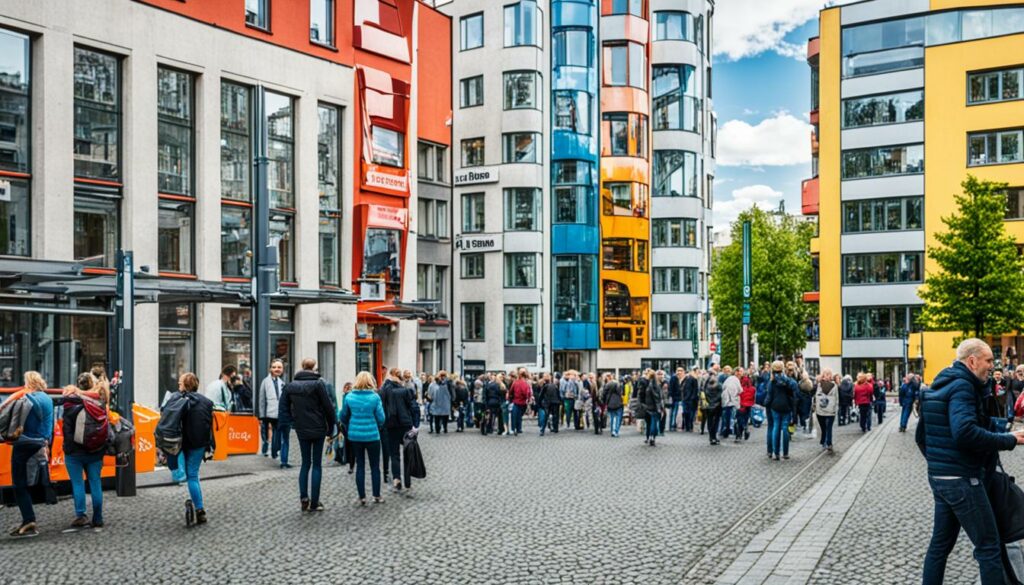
(14, 271)
(299, 296)
(408, 310)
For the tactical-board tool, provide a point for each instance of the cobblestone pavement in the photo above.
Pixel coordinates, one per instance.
(567, 508)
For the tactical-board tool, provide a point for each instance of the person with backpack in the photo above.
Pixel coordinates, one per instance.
(611, 396)
(196, 437)
(845, 399)
(269, 405)
(86, 431)
(549, 402)
(826, 404)
(362, 412)
(219, 391)
(654, 405)
(781, 402)
(399, 403)
(306, 404)
(711, 408)
(36, 435)
(461, 404)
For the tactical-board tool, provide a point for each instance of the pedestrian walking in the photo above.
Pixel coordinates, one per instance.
(569, 388)
(675, 394)
(521, 393)
(863, 396)
(962, 452)
(196, 439)
(219, 391)
(441, 398)
(611, 396)
(363, 414)
(711, 408)
(879, 395)
(908, 395)
(748, 396)
(308, 406)
(691, 399)
(731, 390)
(30, 448)
(781, 402)
(826, 405)
(654, 405)
(845, 399)
(398, 403)
(82, 455)
(269, 403)
(461, 404)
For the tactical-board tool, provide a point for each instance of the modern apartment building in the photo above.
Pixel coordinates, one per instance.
(897, 80)
(143, 135)
(566, 217)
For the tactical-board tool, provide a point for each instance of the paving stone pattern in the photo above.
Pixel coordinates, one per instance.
(568, 508)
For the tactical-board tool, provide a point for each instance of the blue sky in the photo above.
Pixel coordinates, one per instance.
(762, 97)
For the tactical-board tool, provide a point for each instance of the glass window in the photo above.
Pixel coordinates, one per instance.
(473, 152)
(382, 254)
(521, 147)
(388, 147)
(886, 268)
(878, 36)
(574, 288)
(521, 89)
(619, 133)
(883, 161)
(674, 233)
(1015, 203)
(522, 24)
(883, 61)
(675, 173)
(571, 204)
(675, 280)
(674, 326)
(97, 115)
(236, 241)
(522, 209)
(520, 270)
(625, 199)
(880, 322)
(884, 109)
(174, 132)
(14, 218)
(329, 183)
(472, 28)
(472, 266)
(471, 91)
(674, 26)
(634, 7)
(282, 232)
(14, 102)
(235, 158)
(176, 351)
(994, 148)
(472, 321)
(676, 103)
(625, 64)
(994, 86)
(280, 151)
(330, 249)
(236, 333)
(174, 236)
(433, 218)
(97, 230)
(257, 13)
(572, 48)
(617, 254)
(520, 321)
(321, 21)
(473, 212)
(572, 111)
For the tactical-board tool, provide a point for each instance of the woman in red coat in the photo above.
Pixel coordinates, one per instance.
(863, 396)
(747, 396)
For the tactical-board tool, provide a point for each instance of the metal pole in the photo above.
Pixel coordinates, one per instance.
(265, 277)
(125, 318)
(747, 289)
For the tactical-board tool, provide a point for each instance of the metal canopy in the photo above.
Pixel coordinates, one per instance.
(299, 296)
(408, 310)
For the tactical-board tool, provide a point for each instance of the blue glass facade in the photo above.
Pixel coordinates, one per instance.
(574, 172)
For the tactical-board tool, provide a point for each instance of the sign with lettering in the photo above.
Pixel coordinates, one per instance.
(385, 179)
(478, 243)
(387, 217)
(475, 176)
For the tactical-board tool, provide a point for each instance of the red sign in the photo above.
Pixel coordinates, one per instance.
(714, 346)
(386, 179)
(387, 217)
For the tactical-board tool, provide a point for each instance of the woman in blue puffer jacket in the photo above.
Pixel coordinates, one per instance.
(362, 413)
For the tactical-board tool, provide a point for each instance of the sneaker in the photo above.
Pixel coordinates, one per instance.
(304, 502)
(80, 522)
(97, 525)
(200, 516)
(785, 456)
(26, 530)
(378, 500)
(317, 507)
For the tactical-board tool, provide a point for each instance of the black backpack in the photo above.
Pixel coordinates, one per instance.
(168, 431)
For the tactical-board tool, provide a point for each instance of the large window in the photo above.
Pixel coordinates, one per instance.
(432, 162)
(675, 280)
(59, 346)
(571, 197)
(674, 233)
(430, 281)
(257, 13)
(678, 26)
(624, 199)
(282, 234)
(634, 7)
(388, 147)
(520, 324)
(572, 111)
(886, 268)
(97, 230)
(472, 31)
(382, 255)
(624, 134)
(473, 265)
(624, 254)
(472, 321)
(674, 326)
(473, 152)
(473, 213)
(15, 167)
(883, 161)
(236, 337)
(522, 209)
(176, 351)
(884, 46)
(994, 86)
(1015, 203)
(572, 48)
(574, 288)
(880, 215)
(433, 218)
(174, 236)
(989, 148)
(235, 180)
(625, 64)
(881, 322)
(522, 24)
(175, 170)
(676, 100)
(521, 270)
(329, 181)
(236, 241)
(675, 174)
(875, 110)
(280, 179)
(471, 91)
(520, 147)
(521, 89)
(321, 21)
(97, 115)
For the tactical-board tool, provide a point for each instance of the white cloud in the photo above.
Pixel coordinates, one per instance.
(726, 212)
(744, 28)
(782, 140)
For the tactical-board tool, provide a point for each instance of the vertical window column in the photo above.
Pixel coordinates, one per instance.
(15, 164)
(329, 179)
(280, 181)
(175, 171)
(236, 181)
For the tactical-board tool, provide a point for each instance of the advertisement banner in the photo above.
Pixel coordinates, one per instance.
(383, 216)
(478, 243)
(391, 181)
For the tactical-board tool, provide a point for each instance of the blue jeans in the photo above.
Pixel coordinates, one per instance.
(193, 459)
(742, 418)
(615, 418)
(726, 427)
(364, 451)
(20, 455)
(905, 414)
(542, 419)
(517, 418)
(779, 434)
(677, 406)
(825, 424)
(689, 414)
(312, 451)
(653, 424)
(963, 502)
(864, 412)
(284, 431)
(771, 429)
(91, 465)
(178, 475)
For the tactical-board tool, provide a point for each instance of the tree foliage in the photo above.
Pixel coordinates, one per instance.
(781, 273)
(979, 287)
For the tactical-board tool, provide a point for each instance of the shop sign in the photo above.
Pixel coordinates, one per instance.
(476, 175)
(386, 180)
(387, 217)
(478, 243)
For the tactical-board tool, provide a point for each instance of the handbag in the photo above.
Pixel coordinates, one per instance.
(1007, 499)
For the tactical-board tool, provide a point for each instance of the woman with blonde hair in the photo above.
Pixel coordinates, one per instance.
(37, 434)
(362, 413)
(80, 453)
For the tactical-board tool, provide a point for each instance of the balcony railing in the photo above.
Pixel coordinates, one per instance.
(809, 197)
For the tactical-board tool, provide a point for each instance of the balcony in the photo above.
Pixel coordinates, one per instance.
(813, 49)
(809, 197)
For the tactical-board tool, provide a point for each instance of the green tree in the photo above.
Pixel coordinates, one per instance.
(979, 289)
(781, 273)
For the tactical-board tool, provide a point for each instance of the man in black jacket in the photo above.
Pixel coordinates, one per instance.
(675, 394)
(399, 402)
(306, 404)
(690, 399)
(549, 402)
